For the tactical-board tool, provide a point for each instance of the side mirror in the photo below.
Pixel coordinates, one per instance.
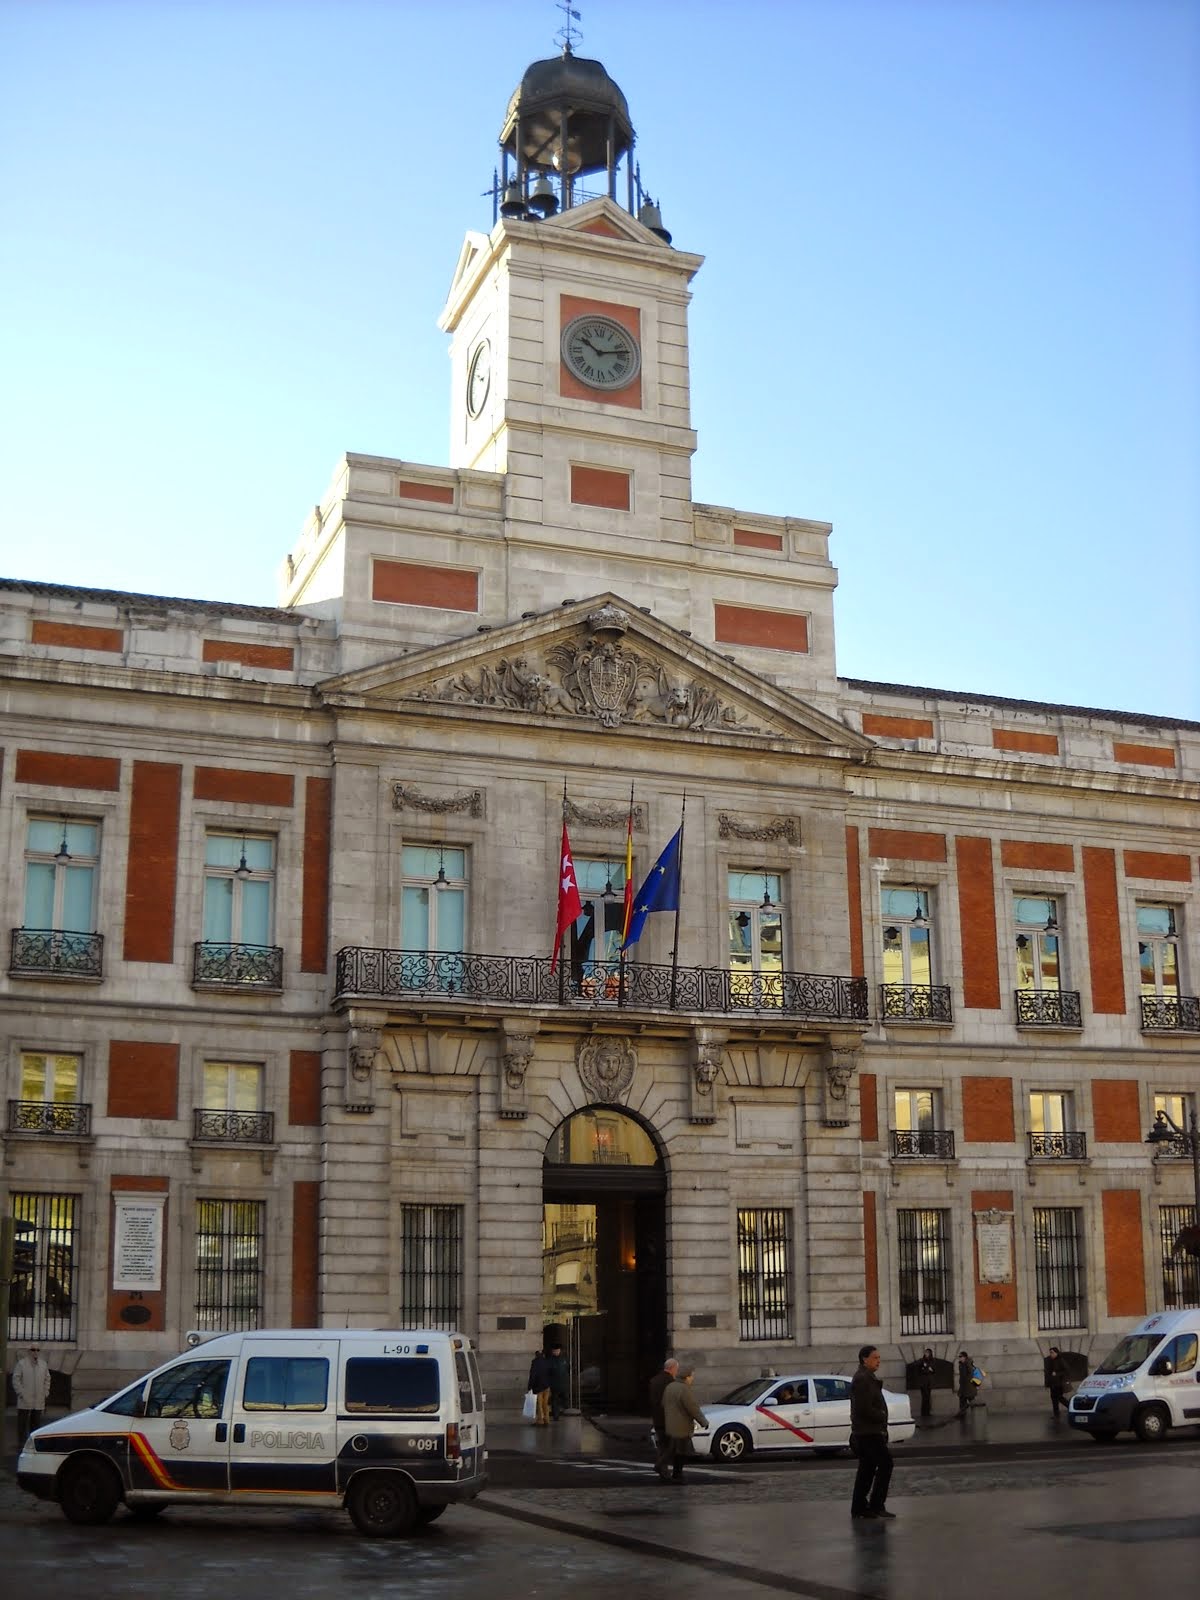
(1162, 1369)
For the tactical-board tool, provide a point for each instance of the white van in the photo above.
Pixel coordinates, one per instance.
(1150, 1382)
(388, 1424)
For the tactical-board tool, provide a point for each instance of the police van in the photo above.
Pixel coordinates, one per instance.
(1150, 1382)
(388, 1424)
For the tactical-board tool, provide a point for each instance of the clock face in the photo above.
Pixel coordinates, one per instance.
(479, 377)
(600, 352)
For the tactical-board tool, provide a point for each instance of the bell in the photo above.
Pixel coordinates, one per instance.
(651, 217)
(513, 204)
(542, 198)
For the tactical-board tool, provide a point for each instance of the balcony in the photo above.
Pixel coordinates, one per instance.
(54, 1119)
(1170, 1013)
(414, 975)
(1058, 1146)
(925, 1144)
(233, 1127)
(1048, 1008)
(237, 966)
(53, 953)
(915, 1002)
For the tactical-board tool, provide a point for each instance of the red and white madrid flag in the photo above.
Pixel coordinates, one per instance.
(570, 906)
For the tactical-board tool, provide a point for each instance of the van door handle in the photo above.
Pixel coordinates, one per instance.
(239, 1433)
(222, 1433)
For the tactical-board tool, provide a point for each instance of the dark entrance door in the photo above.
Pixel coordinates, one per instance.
(604, 1255)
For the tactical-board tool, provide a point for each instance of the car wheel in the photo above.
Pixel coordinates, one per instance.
(382, 1505)
(89, 1491)
(428, 1514)
(1151, 1424)
(1103, 1435)
(731, 1444)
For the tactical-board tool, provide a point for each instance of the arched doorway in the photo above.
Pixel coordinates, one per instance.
(604, 1269)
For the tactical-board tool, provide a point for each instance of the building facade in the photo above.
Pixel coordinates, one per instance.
(284, 1039)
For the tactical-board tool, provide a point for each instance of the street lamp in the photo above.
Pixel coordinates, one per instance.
(1165, 1130)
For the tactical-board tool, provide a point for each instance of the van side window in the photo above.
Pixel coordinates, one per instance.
(192, 1389)
(128, 1404)
(392, 1383)
(475, 1383)
(466, 1400)
(285, 1383)
(1181, 1352)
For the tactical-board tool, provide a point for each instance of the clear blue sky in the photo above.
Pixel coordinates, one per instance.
(950, 301)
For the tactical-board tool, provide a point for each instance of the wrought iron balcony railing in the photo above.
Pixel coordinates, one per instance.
(67, 1118)
(1048, 1008)
(53, 953)
(528, 981)
(1058, 1146)
(1171, 1013)
(915, 1002)
(1176, 1148)
(237, 966)
(233, 1127)
(924, 1144)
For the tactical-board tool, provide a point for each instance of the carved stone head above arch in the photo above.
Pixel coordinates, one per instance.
(606, 1063)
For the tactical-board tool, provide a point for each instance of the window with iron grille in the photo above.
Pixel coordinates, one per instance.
(230, 1238)
(431, 1287)
(1058, 1267)
(43, 1297)
(1181, 1272)
(924, 1262)
(764, 1239)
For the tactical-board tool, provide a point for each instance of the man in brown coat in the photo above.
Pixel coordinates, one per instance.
(681, 1413)
(869, 1438)
(658, 1386)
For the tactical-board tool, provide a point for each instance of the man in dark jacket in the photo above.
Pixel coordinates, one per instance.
(560, 1381)
(539, 1383)
(926, 1368)
(658, 1385)
(1057, 1377)
(869, 1438)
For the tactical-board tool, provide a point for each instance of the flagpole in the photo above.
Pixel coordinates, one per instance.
(678, 903)
(562, 977)
(626, 893)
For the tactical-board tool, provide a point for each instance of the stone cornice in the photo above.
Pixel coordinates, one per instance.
(54, 673)
(979, 770)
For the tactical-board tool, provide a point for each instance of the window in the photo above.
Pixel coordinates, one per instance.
(229, 1256)
(1158, 951)
(431, 1266)
(433, 898)
(50, 1078)
(596, 937)
(61, 857)
(755, 938)
(764, 1242)
(239, 889)
(193, 1389)
(907, 953)
(1038, 951)
(1180, 1269)
(285, 1383)
(1181, 1353)
(43, 1297)
(836, 1389)
(1058, 1268)
(924, 1261)
(1052, 1130)
(917, 1129)
(233, 1086)
(383, 1384)
(1177, 1106)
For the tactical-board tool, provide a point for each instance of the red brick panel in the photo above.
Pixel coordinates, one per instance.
(977, 923)
(279, 657)
(1116, 1114)
(314, 902)
(1155, 864)
(769, 630)
(895, 843)
(1104, 930)
(153, 861)
(304, 1089)
(630, 318)
(75, 636)
(408, 583)
(438, 494)
(146, 1310)
(854, 896)
(1144, 755)
(871, 1259)
(988, 1111)
(994, 1302)
(1124, 1263)
(752, 539)
(306, 1254)
(897, 727)
(868, 1107)
(58, 771)
(1034, 744)
(603, 228)
(1033, 855)
(597, 486)
(242, 787)
(143, 1080)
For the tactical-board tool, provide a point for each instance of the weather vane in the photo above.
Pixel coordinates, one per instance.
(568, 35)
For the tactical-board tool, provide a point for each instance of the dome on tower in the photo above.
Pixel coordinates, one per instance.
(567, 112)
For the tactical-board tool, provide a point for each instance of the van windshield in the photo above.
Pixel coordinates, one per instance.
(1130, 1353)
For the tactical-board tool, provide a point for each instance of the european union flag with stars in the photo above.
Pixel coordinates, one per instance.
(659, 890)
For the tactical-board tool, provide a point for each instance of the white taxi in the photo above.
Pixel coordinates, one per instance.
(803, 1412)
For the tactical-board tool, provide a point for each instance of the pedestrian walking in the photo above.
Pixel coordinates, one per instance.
(965, 1384)
(539, 1383)
(681, 1413)
(560, 1381)
(1057, 1378)
(869, 1438)
(31, 1385)
(658, 1387)
(925, 1371)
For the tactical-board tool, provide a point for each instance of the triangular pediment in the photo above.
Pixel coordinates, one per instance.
(598, 663)
(603, 218)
